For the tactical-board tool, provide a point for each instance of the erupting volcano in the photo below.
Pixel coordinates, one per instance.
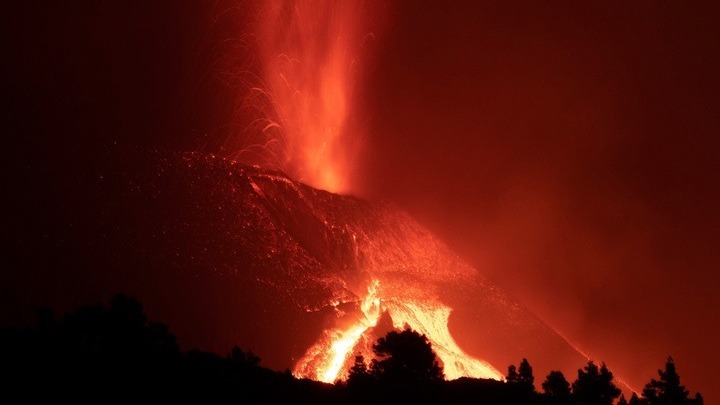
(298, 178)
(329, 252)
(326, 273)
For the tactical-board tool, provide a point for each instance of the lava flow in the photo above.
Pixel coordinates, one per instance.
(339, 254)
(309, 69)
(309, 278)
(329, 359)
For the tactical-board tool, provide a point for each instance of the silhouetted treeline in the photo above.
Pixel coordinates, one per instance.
(104, 353)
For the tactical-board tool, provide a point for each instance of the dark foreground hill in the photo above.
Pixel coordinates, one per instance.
(105, 354)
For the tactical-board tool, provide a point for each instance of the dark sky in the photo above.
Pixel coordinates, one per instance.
(568, 151)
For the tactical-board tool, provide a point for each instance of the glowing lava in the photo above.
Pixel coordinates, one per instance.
(309, 54)
(330, 274)
(309, 128)
(329, 359)
(431, 319)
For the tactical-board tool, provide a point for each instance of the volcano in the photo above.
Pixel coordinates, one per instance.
(304, 277)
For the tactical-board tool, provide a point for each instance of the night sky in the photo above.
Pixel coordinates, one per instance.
(568, 151)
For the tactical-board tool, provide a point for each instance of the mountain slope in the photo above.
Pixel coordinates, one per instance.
(301, 276)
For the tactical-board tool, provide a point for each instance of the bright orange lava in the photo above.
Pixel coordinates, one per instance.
(325, 360)
(309, 51)
(330, 357)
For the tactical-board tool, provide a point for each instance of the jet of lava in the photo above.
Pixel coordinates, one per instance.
(310, 54)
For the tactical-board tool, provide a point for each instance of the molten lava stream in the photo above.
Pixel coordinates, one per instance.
(327, 360)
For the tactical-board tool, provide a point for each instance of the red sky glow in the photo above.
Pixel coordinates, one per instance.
(568, 151)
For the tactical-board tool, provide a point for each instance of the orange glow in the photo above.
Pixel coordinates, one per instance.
(329, 359)
(326, 358)
(308, 52)
(431, 320)
(309, 70)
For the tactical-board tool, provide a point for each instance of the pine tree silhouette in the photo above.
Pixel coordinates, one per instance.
(594, 386)
(527, 380)
(359, 377)
(512, 375)
(405, 356)
(668, 390)
(557, 387)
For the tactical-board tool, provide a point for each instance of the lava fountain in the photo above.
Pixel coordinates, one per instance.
(310, 55)
(310, 66)
(371, 262)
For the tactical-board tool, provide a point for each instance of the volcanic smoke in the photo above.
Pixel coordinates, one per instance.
(309, 53)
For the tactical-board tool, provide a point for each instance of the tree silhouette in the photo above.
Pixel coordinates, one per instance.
(243, 359)
(634, 400)
(526, 375)
(117, 335)
(556, 387)
(594, 386)
(359, 376)
(101, 352)
(359, 368)
(512, 375)
(668, 390)
(521, 378)
(403, 357)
